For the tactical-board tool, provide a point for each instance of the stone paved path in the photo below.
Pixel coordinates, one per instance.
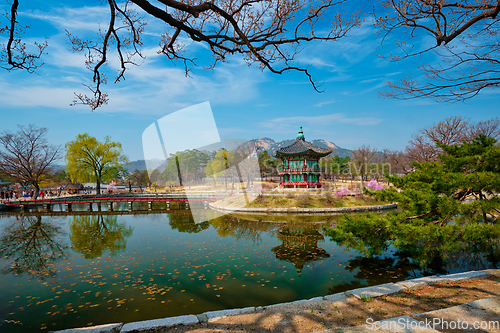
(478, 316)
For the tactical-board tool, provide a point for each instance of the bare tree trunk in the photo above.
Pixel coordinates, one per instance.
(37, 191)
(98, 186)
(178, 171)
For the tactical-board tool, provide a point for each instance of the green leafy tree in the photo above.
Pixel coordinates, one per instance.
(139, 178)
(155, 177)
(440, 192)
(445, 207)
(118, 173)
(91, 235)
(268, 164)
(185, 166)
(87, 158)
(335, 166)
(222, 161)
(210, 173)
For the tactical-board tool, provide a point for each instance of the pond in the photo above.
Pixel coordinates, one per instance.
(95, 268)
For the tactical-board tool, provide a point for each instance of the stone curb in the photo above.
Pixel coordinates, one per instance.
(106, 328)
(374, 291)
(224, 313)
(336, 297)
(436, 313)
(160, 323)
(302, 210)
(492, 304)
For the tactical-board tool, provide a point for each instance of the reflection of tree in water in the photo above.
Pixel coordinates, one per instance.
(33, 245)
(183, 221)
(434, 249)
(377, 270)
(466, 254)
(299, 246)
(91, 235)
(225, 225)
(228, 225)
(451, 247)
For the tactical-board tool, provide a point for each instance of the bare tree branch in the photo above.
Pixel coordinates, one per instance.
(14, 55)
(466, 35)
(269, 33)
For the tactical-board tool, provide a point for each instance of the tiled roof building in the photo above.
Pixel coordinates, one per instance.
(299, 163)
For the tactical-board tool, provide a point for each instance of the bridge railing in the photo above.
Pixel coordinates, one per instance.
(107, 199)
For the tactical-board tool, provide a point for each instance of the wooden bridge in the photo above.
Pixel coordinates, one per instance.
(110, 201)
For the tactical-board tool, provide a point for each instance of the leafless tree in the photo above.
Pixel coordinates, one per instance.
(26, 156)
(269, 33)
(362, 158)
(421, 149)
(450, 131)
(466, 35)
(399, 161)
(32, 246)
(489, 127)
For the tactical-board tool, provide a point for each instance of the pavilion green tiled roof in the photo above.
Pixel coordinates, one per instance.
(301, 146)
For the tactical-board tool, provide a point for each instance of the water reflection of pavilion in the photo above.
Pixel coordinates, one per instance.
(300, 246)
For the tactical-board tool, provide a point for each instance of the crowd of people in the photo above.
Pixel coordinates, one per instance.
(6, 195)
(14, 195)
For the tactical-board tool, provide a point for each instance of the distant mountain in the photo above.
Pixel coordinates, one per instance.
(269, 145)
(59, 168)
(136, 165)
(141, 165)
(265, 144)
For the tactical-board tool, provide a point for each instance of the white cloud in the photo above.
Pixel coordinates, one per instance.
(151, 88)
(85, 18)
(34, 95)
(229, 131)
(369, 80)
(318, 105)
(288, 123)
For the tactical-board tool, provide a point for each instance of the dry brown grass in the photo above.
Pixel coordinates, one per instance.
(306, 200)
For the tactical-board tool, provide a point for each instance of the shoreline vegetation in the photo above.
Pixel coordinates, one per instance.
(304, 200)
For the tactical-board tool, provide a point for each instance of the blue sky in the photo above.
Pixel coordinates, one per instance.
(246, 102)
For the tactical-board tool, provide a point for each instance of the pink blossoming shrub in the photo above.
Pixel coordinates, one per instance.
(342, 192)
(373, 185)
(111, 186)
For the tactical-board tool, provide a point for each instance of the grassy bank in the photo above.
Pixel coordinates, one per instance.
(302, 201)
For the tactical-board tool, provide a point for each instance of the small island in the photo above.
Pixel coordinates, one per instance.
(300, 203)
(300, 188)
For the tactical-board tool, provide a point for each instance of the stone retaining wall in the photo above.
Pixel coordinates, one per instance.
(296, 210)
(374, 291)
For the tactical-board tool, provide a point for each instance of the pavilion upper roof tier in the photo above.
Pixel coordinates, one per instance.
(301, 146)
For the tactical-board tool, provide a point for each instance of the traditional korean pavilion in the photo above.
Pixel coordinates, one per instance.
(299, 163)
